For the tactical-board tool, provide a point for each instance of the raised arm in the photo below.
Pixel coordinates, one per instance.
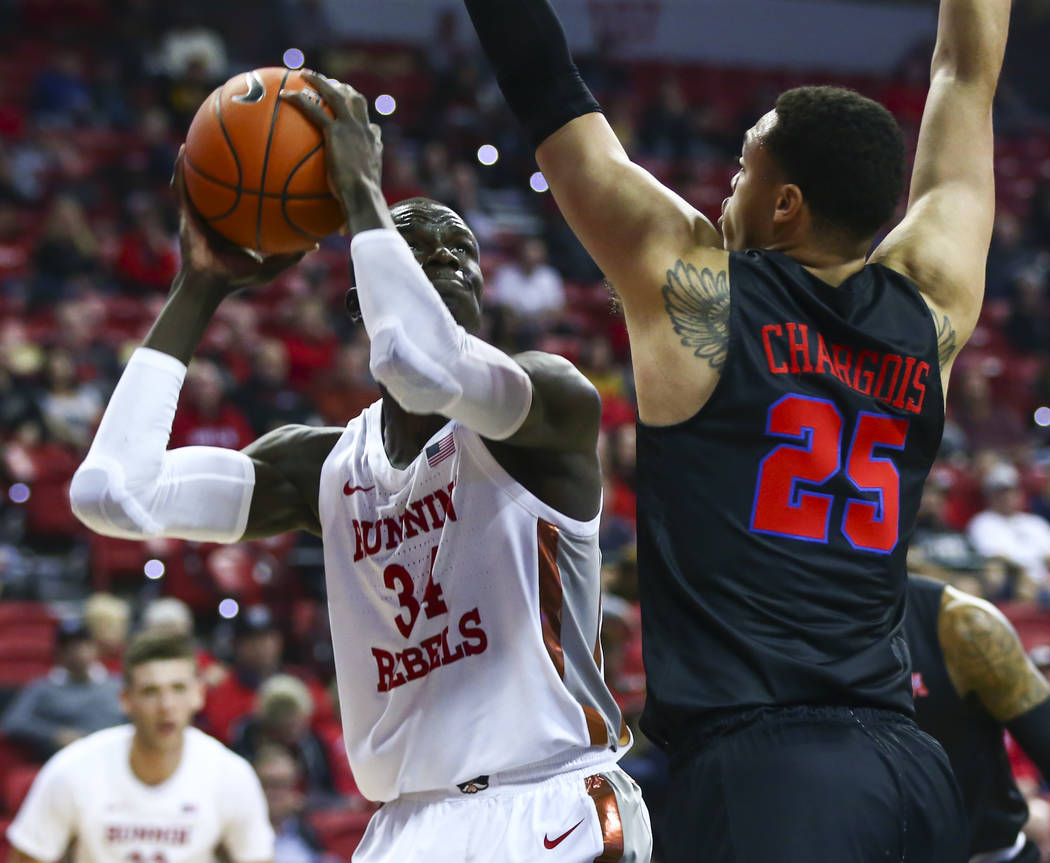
(422, 355)
(985, 658)
(131, 486)
(942, 243)
(634, 227)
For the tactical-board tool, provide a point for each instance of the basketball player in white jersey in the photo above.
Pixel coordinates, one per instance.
(459, 516)
(154, 791)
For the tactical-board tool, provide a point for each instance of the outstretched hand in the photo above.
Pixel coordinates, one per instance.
(208, 257)
(353, 145)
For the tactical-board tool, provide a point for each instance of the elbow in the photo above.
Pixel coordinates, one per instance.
(418, 382)
(99, 501)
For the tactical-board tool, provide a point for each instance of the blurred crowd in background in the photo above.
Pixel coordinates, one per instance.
(95, 98)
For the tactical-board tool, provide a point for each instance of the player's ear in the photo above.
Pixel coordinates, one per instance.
(353, 305)
(789, 203)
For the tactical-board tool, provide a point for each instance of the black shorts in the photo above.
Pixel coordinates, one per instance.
(813, 784)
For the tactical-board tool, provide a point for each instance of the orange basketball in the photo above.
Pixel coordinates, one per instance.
(255, 166)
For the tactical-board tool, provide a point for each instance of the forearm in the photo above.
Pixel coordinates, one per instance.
(526, 45)
(424, 359)
(366, 208)
(971, 41)
(180, 326)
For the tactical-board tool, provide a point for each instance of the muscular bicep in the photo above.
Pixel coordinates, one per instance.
(288, 464)
(566, 410)
(985, 657)
(942, 242)
(629, 222)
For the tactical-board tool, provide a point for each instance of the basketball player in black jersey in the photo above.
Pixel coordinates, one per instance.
(971, 679)
(790, 396)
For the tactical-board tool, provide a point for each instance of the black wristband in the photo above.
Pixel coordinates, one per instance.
(1031, 730)
(525, 43)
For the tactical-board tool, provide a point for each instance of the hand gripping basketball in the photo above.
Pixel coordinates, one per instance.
(210, 258)
(353, 145)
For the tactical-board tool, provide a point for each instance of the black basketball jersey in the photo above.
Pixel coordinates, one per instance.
(973, 740)
(773, 524)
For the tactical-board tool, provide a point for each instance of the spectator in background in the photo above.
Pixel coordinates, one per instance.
(66, 248)
(1004, 531)
(347, 388)
(529, 287)
(71, 409)
(77, 697)
(107, 618)
(147, 259)
(206, 417)
(281, 777)
(267, 397)
(282, 714)
(310, 342)
(940, 551)
(60, 93)
(986, 424)
(258, 649)
(1028, 327)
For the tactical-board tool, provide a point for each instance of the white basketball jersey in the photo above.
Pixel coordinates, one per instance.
(465, 615)
(87, 792)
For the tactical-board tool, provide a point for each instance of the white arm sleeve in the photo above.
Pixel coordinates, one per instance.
(427, 361)
(131, 486)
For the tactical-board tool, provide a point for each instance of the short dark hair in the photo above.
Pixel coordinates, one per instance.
(845, 152)
(153, 646)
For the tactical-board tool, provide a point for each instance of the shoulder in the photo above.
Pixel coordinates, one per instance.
(561, 387)
(101, 747)
(216, 756)
(970, 628)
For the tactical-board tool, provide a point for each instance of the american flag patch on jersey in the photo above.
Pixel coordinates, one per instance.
(438, 452)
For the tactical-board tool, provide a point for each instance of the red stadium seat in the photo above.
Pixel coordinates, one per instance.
(17, 784)
(340, 830)
(17, 672)
(115, 557)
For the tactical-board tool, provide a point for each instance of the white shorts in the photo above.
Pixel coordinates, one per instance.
(594, 814)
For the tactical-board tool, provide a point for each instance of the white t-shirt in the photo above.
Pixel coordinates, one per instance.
(1022, 538)
(88, 793)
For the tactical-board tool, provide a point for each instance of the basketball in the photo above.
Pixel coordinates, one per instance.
(255, 166)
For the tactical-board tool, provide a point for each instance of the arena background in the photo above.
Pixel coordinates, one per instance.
(95, 98)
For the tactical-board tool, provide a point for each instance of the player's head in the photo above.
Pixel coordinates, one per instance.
(161, 691)
(448, 252)
(824, 167)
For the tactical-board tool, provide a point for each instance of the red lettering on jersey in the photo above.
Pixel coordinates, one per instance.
(823, 357)
(842, 365)
(413, 518)
(921, 371)
(475, 640)
(777, 330)
(445, 499)
(909, 364)
(797, 346)
(414, 662)
(890, 378)
(393, 533)
(417, 661)
(886, 360)
(868, 376)
(449, 656)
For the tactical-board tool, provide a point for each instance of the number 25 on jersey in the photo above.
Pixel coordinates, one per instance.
(782, 508)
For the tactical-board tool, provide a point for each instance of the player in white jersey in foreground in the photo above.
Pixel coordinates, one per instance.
(154, 791)
(460, 523)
